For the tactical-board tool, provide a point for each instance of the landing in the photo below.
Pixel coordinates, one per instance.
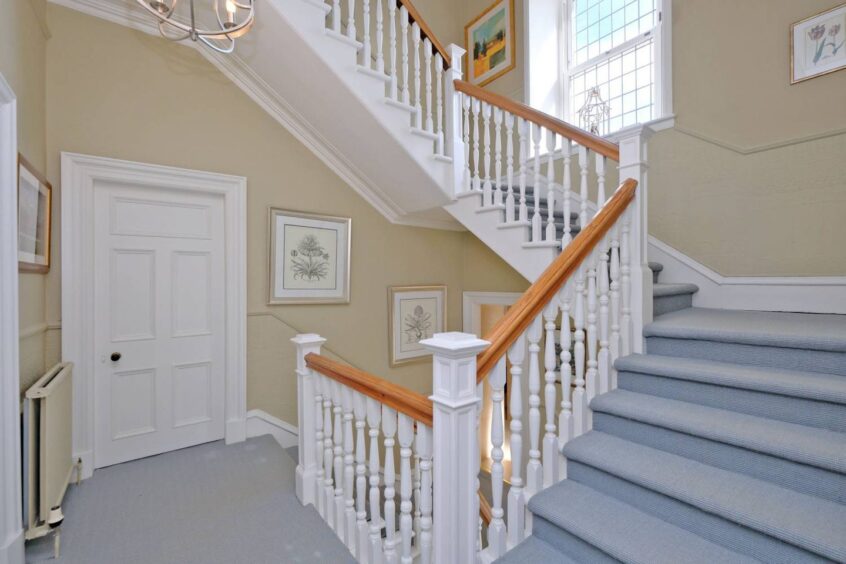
(207, 504)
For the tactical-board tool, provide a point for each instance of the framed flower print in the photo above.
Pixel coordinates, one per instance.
(415, 313)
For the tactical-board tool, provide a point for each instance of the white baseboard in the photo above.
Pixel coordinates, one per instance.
(13, 552)
(807, 294)
(236, 431)
(87, 468)
(262, 423)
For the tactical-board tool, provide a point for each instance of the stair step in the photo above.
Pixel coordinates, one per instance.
(534, 550)
(667, 298)
(747, 515)
(722, 446)
(805, 398)
(796, 341)
(618, 529)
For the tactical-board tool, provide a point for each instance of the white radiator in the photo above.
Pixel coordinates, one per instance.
(48, 462)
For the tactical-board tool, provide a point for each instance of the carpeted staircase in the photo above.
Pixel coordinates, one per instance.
(726, 442)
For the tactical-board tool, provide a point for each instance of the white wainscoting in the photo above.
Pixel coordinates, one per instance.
(811, 294)
(260, 423)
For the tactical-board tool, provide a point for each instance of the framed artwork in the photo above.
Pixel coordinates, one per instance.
(818, 45)
(490, 43)
(415, 313)
(309, 258)
(35, 196)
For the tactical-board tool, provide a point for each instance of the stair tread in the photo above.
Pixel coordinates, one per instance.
(809, 522)
(807, 445)
(662, 289)
(533, 549)
(808, 385)
(623, 531)
(826, 332)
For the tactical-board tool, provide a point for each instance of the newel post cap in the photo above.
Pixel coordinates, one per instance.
(306, 343)
(455, 344)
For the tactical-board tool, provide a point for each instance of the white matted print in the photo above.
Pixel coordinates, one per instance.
(818, 44)
(309, 258)
(415, 313)
(34, 218)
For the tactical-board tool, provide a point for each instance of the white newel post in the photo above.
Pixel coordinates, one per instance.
(452, 128)
(633, 164)
(307, 465)
(455, 444)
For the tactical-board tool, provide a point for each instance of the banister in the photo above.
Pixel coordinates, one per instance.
(580, 136)
(485, 511)
(426, 31)
(410, 403)
(519, 316)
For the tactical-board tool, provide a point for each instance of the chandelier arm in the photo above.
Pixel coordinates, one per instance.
(166, 21)
(181, 37)
(224, 50)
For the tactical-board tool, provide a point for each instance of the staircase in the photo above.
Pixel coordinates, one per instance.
(725, 442)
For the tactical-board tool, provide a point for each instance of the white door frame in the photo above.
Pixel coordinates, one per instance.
(11, 520)
(79, 175)
(472, 303)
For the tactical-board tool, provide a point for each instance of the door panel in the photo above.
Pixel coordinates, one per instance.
(160, 298)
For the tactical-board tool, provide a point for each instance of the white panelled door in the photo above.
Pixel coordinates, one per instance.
(159, 324)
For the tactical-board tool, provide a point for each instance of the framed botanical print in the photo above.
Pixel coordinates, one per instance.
(818, 44)
(309, 258)
(415, 313)
(35, 197)
(490, 43)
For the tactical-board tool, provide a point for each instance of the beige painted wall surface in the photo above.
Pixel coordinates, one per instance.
(119, 93)
(22, 64)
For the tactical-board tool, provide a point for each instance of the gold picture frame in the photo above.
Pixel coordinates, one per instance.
(482, 66)
(414, 313)
(35, 214)
(818, 44)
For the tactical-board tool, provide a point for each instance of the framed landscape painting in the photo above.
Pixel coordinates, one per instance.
(35, 197)
(309, 258)
(490, 43)
(818, 45)
(415, 313)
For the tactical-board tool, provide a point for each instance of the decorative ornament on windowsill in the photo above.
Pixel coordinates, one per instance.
(594, 113)
(178, 25)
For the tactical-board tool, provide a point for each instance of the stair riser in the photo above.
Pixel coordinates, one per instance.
(786, 473)
(567, 543)
(774, 357)
(801, 411)
(667, 304)
(709, 526)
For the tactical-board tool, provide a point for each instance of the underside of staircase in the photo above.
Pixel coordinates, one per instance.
(725, 442)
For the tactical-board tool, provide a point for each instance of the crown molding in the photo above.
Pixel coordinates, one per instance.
(124, 13)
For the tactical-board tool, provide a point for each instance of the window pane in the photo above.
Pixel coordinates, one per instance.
(609, 22)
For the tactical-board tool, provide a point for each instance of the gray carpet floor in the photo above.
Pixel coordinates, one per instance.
(207, 504)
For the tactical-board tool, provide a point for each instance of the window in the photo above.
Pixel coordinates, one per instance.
(614, 46)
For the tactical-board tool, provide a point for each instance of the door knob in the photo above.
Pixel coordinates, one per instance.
(115, 356)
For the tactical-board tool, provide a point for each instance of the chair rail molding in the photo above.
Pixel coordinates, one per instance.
(278, 108)
(79, 174)
(807, 294)
(11, 524)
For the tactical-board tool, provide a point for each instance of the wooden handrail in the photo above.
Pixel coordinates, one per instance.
(426, 31)
(485, 511)
(417, 406)
(544, 289)
(571, 132)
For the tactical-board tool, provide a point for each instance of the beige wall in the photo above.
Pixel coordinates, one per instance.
(119, 93)
(719, 189)
(22, 64)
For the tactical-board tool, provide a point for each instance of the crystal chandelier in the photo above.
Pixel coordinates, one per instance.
(594, 112)
(180, 24)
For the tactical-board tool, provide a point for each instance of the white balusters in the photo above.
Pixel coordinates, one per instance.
(565, 416)
(626, 287)
(362, 530)
(389, 429)
(534, 469)
(579, 353)
(320, 480)
(497, 191)
(487, 186)
(592, 337)
(427, 64)
(600, 180)
(476, 107)
(418, 106)
(406, 437)
(550, 440)
(604, 355)
(614, 271)
(550, 186)
(523, 134)
(392, 49)
(583, 185)
(374, 417)
(350, 531)
(336, 16)
(467, 184)
(424, 450)
(338, 450)
(509, 167)
(406, 97)
(496, 529)
(351, 32)
(566, 237)
(439, 97)
(328, 452)
(366, 49)
(380, 37)
(536, 215)
(516, 501)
